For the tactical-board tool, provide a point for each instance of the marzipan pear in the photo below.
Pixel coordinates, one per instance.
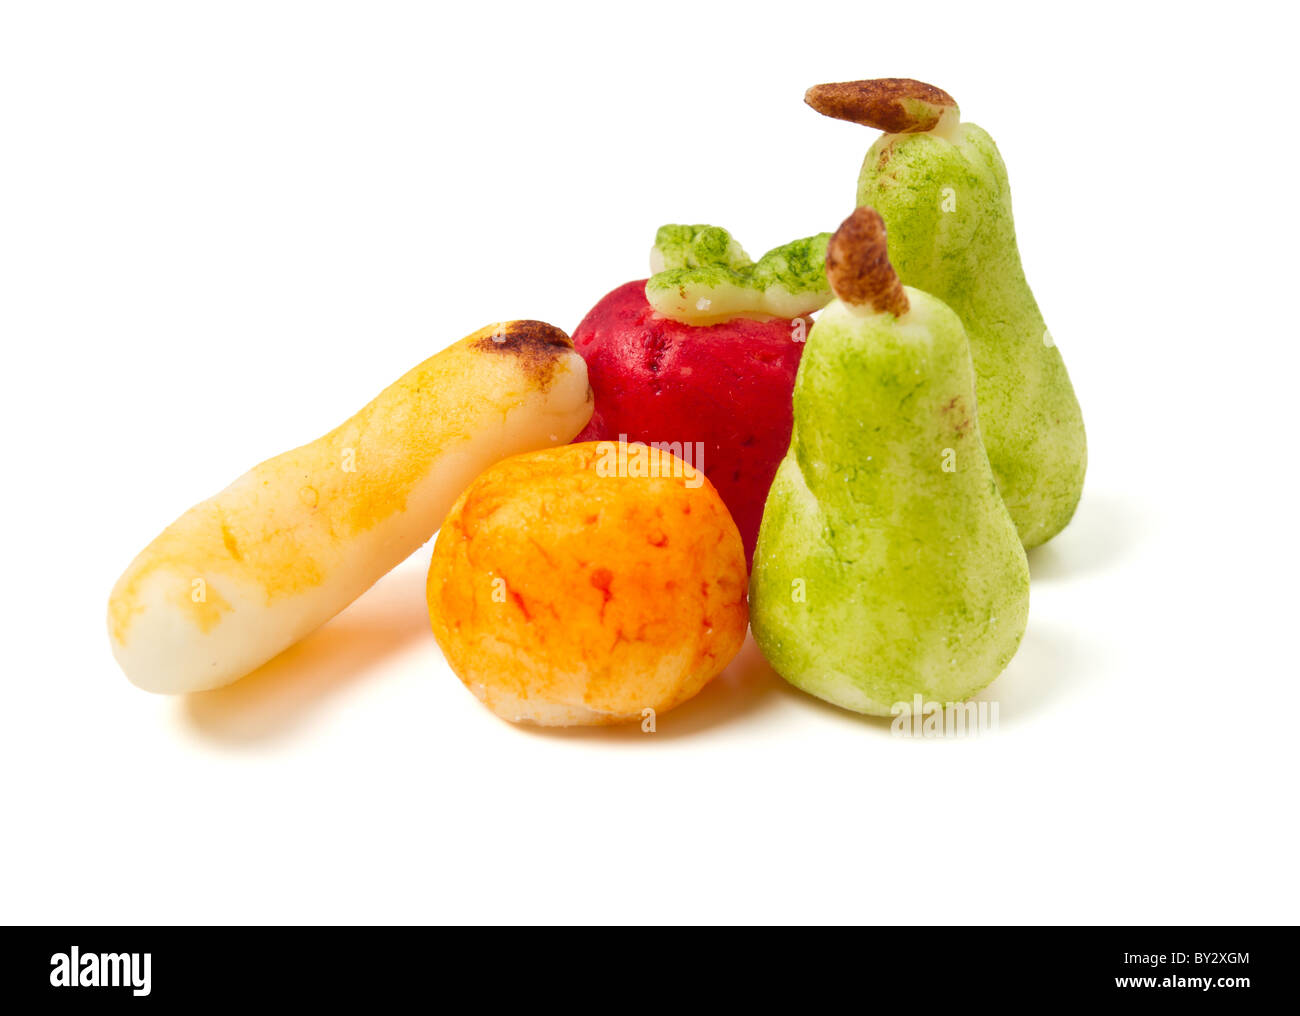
(941, 187)
(887, 565)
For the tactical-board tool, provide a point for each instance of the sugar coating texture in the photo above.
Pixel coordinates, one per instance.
(727, 386)
(947, 205)
(248, 572)
(704, 277)
(887, 564)
(563, 593)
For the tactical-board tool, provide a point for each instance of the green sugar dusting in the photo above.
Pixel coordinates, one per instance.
(705, 276)
(947, 205)
(799, 266)
(887, 566)
(682, 247)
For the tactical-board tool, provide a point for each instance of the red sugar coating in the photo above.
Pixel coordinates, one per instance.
(728, 386)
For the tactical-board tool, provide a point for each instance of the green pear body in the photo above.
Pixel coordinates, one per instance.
(887, 564)
(947, 205)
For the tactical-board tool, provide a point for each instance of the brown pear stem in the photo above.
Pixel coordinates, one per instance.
(892, 105)
(857, 265)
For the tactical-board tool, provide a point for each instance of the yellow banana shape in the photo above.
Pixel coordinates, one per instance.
(253, 569)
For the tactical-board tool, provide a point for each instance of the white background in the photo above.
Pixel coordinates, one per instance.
(224, 227)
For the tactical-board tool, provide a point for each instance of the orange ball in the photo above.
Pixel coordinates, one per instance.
(565, 591)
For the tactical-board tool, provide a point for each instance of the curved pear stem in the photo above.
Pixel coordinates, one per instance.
(892, 105)
(857, 265)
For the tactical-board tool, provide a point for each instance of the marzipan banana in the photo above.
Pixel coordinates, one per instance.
(247, 573)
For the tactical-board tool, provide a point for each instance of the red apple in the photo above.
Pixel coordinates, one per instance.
(727, 386)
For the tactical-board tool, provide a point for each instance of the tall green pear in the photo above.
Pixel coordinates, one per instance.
(941, 187)
(887, 565)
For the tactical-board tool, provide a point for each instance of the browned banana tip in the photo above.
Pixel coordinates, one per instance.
(857, 265)
(513, 335)
(892, 105)
(536, 346)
